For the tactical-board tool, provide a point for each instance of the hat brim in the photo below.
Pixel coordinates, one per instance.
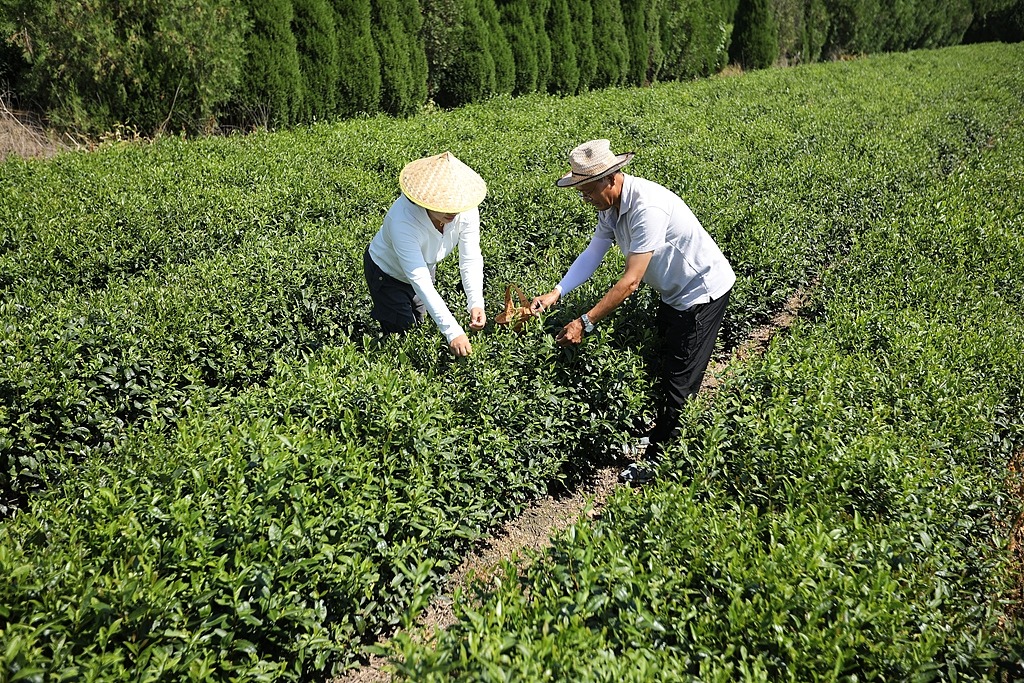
(572, 180)
(466, 204)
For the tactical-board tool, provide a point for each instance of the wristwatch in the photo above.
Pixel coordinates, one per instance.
(588, 326)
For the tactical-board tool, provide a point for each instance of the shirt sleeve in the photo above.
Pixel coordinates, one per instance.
(471, 261)
(410, 256)
(648, 229)
(586, 263)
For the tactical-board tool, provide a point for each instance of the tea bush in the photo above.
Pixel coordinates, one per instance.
(837, 511)
(214, 468)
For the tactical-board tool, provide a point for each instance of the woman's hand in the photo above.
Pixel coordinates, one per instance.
(477, 319)
(460, 346)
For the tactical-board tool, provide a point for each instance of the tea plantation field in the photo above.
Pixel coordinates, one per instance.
(213, 469)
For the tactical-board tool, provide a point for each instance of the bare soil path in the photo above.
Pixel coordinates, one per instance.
(1015, 485)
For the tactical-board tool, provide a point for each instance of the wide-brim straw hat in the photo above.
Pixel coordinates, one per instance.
(442, 183)
(592, 160)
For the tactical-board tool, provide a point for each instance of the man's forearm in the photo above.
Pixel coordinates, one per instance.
(619, 292)
(636, 267)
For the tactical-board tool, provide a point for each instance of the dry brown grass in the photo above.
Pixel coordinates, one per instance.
(729, 70)
(22, 136)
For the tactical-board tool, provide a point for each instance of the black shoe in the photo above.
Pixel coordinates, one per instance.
(642, 428)
(637, 474)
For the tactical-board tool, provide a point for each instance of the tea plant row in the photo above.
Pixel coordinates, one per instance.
(216, 469)
(838, 509)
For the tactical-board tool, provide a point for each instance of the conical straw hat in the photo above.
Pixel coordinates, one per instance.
(442, 183)
(592, 160)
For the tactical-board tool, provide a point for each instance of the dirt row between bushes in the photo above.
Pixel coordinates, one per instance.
(532, 531)
(1015, 485)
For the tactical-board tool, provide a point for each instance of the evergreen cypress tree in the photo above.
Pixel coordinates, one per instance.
(693, 39)
(412, 18)
(893, 21)
(997, 20)
(636, 35)
(271, 92)
(655, 52)
(470, 77)
(359, 75)
(403, 61)
(852, 28)
(442, 24)
(565, 72)
(933, 25)
(317, 46)
(649, 21)
(814, 30)
(586, 55)
(610, 44)
(517, 20)
(756, 42)
(499, 47)
(539, 12)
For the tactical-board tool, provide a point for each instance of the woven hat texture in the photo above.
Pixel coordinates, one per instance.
(592, 160)
(442, 183)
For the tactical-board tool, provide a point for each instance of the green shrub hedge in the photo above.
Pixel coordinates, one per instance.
(200, 66)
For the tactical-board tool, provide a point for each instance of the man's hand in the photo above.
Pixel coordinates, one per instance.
(460, 346)
(571, 334)
(545, 301)
(477, 319)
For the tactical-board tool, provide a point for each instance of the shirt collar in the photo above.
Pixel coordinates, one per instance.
(626, 200)
(628, 196)
(423, 218)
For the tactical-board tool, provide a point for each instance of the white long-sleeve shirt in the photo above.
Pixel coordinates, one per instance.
(408, 247)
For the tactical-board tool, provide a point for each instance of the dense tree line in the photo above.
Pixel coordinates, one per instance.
(195, 65)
